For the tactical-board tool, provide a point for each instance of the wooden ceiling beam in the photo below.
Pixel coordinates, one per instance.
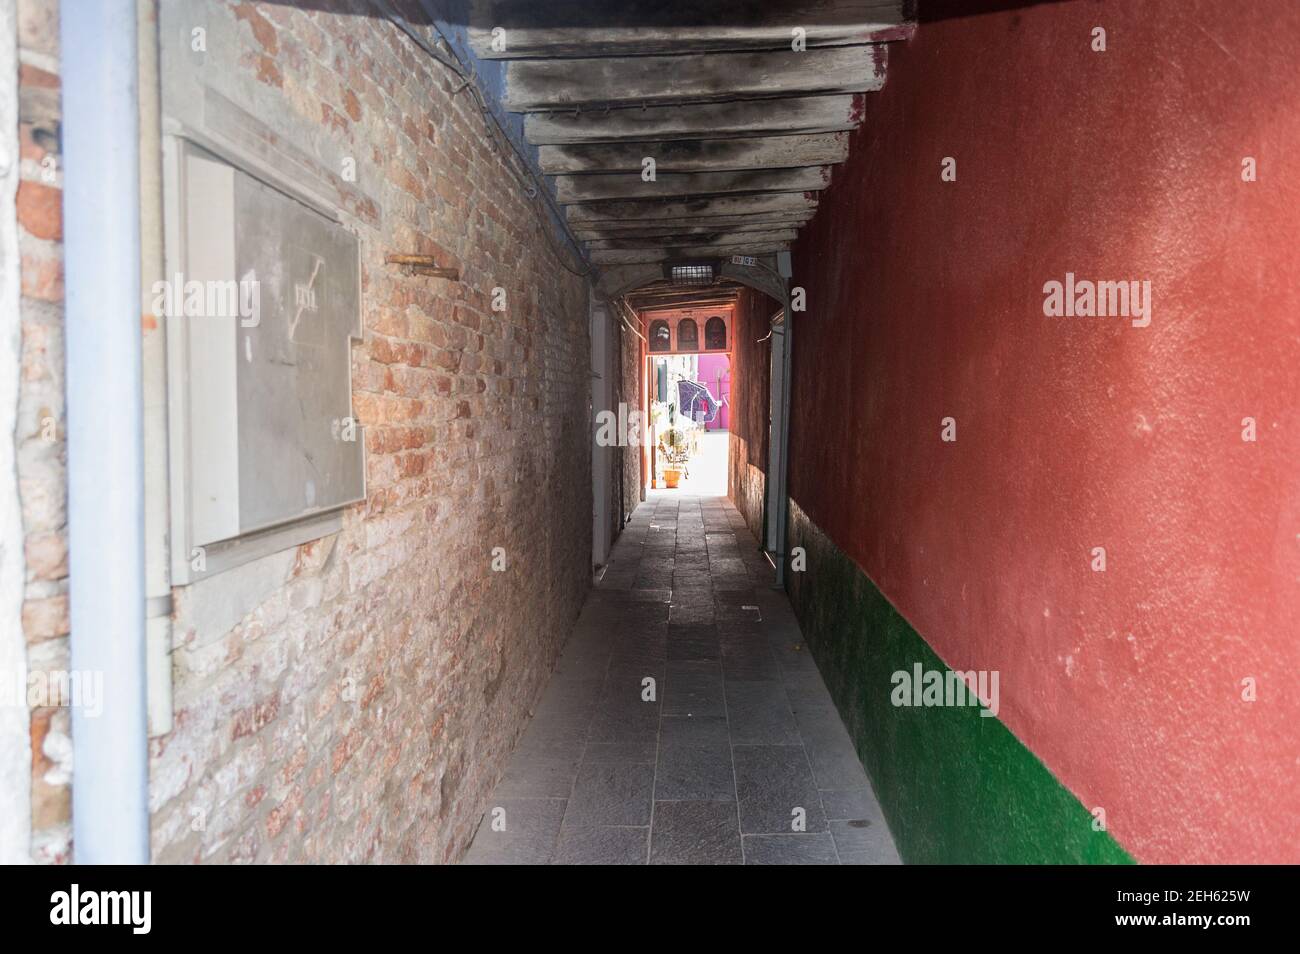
(558, 28)
(667, 294)
(696, 155)
(617, 210)
(733, 223)
(694, 77)
(707, 238)
(682, 253)
(795, 115)
(667, 289)
(599, 187)
(689, 304)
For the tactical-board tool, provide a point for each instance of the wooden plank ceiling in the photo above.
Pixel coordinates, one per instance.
(743, 129)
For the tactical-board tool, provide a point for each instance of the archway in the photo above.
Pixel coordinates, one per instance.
(711, 326)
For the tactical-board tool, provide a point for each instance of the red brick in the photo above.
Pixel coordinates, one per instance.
(268, 72)
(278, 817)
(329, 116)
(352, 105)
(42, 275)
(254, 718)
(51, 802)
(294, 766)
(45, 618)
(40, 210)
(263, 29)
(34, 76)
(47, 555)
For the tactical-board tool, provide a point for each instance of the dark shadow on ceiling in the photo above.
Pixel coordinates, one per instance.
(667, 14)
(933, 11)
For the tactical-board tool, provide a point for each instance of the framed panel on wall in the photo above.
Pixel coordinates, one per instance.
(262, 302)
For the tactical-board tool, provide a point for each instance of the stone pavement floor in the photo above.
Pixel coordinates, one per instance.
(734, 754)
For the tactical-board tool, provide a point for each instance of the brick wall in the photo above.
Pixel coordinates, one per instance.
(39, 435)
(352, 699)
(751, 361)
(362, 707)
(15, 720)
(631, 363)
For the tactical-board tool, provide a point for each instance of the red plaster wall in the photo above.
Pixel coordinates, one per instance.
(751, 367)
(925, 300)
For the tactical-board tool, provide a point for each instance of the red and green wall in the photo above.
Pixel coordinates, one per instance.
(1121, 689)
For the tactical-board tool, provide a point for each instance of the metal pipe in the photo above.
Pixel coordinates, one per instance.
(628, 308)
(782, 494)
(105, 407)
(157, 494)
(776, 404)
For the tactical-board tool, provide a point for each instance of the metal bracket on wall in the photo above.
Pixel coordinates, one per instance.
(424, 265)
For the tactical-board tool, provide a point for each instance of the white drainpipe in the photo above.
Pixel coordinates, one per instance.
(778, 469)
(101, 211)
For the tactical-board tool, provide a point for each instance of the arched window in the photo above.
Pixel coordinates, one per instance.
(661, 339)
(688, 335)
(715, 334)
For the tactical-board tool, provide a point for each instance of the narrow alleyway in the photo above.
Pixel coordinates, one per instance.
(738, 757)
(349, 350)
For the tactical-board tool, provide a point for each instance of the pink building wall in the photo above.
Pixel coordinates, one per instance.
(715, 374)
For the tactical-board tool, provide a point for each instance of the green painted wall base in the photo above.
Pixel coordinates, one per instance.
(956, 787)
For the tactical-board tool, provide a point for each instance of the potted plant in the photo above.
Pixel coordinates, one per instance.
(674, 447)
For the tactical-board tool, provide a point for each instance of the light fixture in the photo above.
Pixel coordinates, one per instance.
(692, 274)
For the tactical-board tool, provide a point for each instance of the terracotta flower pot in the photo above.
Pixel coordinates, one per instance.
(671, 478)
